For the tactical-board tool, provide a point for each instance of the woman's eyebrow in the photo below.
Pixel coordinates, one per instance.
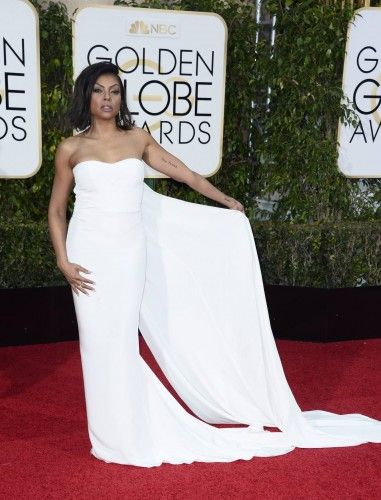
(100, 85)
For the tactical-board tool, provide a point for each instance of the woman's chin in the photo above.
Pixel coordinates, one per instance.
(105, 115)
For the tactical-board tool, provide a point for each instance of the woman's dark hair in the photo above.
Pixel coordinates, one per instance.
(79, 111)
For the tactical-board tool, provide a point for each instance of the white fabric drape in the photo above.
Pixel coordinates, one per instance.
(204, 316)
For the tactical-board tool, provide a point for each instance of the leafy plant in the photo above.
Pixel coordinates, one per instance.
(296, 136)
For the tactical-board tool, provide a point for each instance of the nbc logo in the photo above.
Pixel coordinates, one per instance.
(153, 29)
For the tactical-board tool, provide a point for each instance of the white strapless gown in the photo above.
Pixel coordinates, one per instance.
(188, 276)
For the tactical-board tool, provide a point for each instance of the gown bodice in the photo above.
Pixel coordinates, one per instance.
(109, 187)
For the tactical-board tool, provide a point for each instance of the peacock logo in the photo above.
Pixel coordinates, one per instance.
(139, 27)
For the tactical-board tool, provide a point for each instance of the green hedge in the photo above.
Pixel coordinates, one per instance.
(320, 255)
(325, 229)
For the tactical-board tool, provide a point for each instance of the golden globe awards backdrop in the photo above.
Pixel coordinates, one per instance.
(172, 64)
(20, 100)
(360, 146)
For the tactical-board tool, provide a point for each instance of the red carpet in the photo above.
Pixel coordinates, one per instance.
(44, 452)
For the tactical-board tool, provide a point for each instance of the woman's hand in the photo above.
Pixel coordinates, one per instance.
(234, 204)
(78, 283)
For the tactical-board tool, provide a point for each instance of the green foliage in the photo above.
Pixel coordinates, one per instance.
(320, 255)
(325, 255)
(296, 134)
(27, 257)
(285, 146)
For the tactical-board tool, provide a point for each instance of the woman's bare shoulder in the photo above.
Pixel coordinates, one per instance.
(141, 134)
(69, 146)
(70, 143)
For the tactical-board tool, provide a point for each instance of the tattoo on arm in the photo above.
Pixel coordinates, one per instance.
(169, 161)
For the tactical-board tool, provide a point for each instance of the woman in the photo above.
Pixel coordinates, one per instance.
(187, 275)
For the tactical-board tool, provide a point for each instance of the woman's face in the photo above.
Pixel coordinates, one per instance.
(105, 97)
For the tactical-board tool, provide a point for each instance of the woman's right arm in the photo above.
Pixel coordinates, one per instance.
(62, 186)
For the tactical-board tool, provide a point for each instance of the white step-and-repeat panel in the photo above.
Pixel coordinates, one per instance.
(20, 94)
(173, 66)
(360, 144)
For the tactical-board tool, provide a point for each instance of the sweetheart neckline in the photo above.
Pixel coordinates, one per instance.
(107, 162)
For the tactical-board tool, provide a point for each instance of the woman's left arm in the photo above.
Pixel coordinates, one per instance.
(168, 164)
